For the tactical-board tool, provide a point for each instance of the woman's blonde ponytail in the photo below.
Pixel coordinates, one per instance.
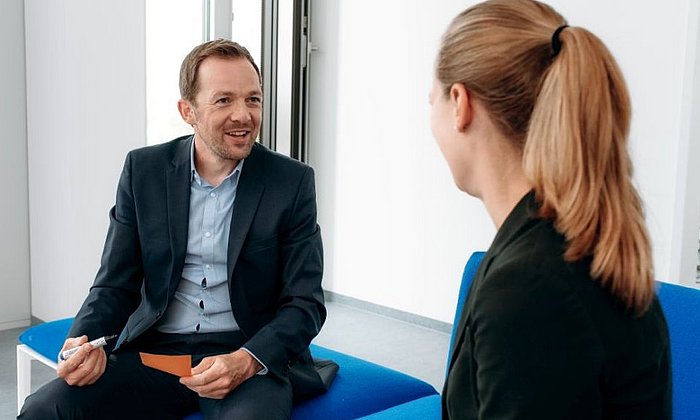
(576, 156)
(563, 100)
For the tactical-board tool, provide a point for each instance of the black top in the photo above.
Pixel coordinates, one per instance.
(540, 339)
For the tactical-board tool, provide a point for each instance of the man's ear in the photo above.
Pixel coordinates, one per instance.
(462, 102)
(186, 111)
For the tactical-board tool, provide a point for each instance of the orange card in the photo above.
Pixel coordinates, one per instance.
(177, 365)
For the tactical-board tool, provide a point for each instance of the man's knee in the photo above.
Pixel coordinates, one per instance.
(258, 398)
(46, 403)
(58, 400)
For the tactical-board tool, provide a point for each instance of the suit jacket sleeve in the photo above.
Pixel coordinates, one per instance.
(116, 291)
(300, 311)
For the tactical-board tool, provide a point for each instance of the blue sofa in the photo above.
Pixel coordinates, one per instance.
(366, 390)
(682, 309)
(360, 387)
(428, 407)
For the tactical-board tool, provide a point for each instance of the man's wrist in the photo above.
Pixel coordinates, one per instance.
(260, 368)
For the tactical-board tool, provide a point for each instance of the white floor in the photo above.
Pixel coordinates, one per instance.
(412, 349)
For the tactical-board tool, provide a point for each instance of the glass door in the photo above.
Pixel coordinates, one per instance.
(275, 32)
(285, 47)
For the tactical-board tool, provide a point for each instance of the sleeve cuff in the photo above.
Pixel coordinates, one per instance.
(262, 371)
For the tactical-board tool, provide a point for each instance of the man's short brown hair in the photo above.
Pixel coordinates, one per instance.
(189, 85)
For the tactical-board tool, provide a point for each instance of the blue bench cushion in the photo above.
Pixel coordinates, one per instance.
(429, 407)
(359, 389)
(426, 408)
(47, 338)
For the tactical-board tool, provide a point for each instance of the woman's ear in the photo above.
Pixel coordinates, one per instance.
(186, 111)
(461, 101)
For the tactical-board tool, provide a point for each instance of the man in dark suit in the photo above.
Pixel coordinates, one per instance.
(213, 250)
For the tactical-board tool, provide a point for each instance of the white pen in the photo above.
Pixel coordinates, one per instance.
(94, 343)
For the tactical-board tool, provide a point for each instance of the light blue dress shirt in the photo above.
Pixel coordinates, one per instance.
(202, 303)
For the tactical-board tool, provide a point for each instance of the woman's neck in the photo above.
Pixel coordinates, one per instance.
(501, 198)
(503, 181)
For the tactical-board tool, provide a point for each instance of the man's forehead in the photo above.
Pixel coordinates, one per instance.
(242, 72)
(217, 61)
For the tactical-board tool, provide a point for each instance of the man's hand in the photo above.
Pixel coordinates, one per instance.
(85, 366)
(216, 376)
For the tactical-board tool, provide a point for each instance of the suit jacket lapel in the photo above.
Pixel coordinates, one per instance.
(464, 316)
(178, 178)
(248, 195)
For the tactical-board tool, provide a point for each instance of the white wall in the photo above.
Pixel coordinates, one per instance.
(172, 28)
(14, 227)
(684, 254)
(85, 110)
(397, 231)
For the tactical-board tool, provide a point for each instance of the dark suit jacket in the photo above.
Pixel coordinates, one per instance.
(539, 339)
(275, 256)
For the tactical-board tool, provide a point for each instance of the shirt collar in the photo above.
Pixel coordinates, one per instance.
(235, 173)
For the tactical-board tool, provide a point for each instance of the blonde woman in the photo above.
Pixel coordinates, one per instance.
(562, 322)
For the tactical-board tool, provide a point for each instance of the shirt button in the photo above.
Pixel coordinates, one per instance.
(207, 234)
(208, 267)
(212, 195)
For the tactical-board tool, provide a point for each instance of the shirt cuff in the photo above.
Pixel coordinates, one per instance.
(262, 371)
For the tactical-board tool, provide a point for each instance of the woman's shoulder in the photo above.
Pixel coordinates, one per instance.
(529, 279)
(535, 256)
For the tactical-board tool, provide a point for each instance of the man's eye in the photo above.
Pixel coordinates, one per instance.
(255, 99)
(222, 101)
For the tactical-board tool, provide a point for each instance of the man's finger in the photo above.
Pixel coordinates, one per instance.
(97, 368)
(87, 369)
(215, 389)
(102, 366)
(65, 367)
(204, 365)
(78, 374)
(72, 343)
(199, 379)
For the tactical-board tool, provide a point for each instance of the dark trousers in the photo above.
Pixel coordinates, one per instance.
(130, 390)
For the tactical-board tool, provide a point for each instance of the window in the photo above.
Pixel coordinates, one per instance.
(275, 33)
(173, 28)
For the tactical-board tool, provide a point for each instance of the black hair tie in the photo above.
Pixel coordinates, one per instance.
(556, 42)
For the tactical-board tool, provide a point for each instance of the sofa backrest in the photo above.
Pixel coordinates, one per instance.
(681, 307)
(467, 277)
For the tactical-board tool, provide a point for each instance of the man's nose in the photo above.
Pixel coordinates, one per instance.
(239, 112)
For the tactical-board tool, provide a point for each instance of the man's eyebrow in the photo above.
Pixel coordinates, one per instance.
(255, 92)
